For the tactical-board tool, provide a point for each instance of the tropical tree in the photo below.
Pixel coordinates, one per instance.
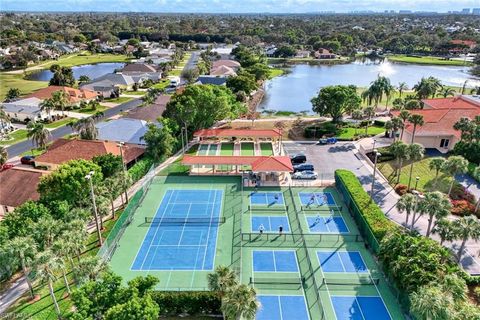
(62, 249)
(435, 205)
(12, 94)
(465, 228)
(427, 87)
(407, 204)
(416, 120)
(334, 101)
(3, 156)
(86, 128)
(444, 229)
(240, 303)
(402, 86)
(45, 266)
(476, 176)
(369, 112)
(389, 90)
(398, 104)
(38, 134)
(436, 164)
(221, 281)
(404, 115)
(453, 166)
(159, 141)
(415, 153)
(59, 100)
(397, 124)
(445, 92)
(388, 128)
(24, 249)
(400, 151)
(47, 105)
(83, 79)
(429, 303)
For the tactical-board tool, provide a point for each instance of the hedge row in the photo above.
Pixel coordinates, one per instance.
(190, 302)
(371, 212)
(139, 169)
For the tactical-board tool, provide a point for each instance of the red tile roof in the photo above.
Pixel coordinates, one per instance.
(238, 133)
(469, 43)
(258, 163)
(227, 63)
(457, 102)
(63, 150)
(22, 186)
(74, 95)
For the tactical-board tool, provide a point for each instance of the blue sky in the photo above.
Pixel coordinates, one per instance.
(235, 6)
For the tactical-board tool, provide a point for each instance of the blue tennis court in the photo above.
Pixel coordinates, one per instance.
(182, 246)
(317, 198)
(341, 261)
(266, 198)
(360, 308)
(282, 307)
(329, 224)
(270, 223)
(274, 261)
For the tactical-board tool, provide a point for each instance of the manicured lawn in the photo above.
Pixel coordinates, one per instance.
(33, 152)
(349, 133)
(226, 149)
(420, 169)
(100, 108)
(162, 84)
(266, 148)
(427, 60)
(15, 137)
(8, 81)
(275, 72)
(176, 168)
(58, 123)
(85, 58)
(247, 149)
(119, 100)
(135, 93)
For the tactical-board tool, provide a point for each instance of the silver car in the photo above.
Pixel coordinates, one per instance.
(310, 175)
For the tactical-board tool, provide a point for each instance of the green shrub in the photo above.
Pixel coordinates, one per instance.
(371, 212)
(379, 123)
(325, 129)
(139, 169)
(191, 302)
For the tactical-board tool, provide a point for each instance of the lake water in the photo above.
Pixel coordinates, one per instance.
(91, 70)
(293, 91)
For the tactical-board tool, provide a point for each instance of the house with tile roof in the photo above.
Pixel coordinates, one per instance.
(235, 65)
(440, 115)
(74, 96)
(223, 71)
(150, 113)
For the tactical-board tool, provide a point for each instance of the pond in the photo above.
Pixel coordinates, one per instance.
(91, 70)
(293, 91)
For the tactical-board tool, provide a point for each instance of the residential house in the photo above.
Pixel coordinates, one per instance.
(74, 96)
(223, 71)
(64, 150)
(209, 79)
(104, 88)
(123, 130)
(302, 54)
(152, 112)
(141, 71)
(25, 110)
(121, 81)
(324, 54)
(440, 115)
(235, 65)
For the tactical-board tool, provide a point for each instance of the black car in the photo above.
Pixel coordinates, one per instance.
(303, 167)
(30, 160)
(298, 159)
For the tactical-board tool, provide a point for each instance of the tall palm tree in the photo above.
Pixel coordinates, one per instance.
(38, 134)
(436, 164)
(404, 115)
(61, 247)
(402, 86)
(357, 115)
(429, 303)
(389, 90)
(240, 303)
(4, 118)
(444, 229)
(415, 153)
(47, 105)
(60, 100)
(397, 124)
(388, 128)
(416, 120)
(86, 128)
(369, 112)
(466, 228)
(435, 205)
(400, 151)
(453, 166)
(24, 249)
(3, 156)
(407, 204)
(46, 264)
(445, 92)
(221, 281)
(427, 87)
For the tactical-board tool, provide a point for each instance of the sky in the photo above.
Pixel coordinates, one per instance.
(235, 6)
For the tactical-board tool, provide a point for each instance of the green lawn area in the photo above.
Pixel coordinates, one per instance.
(275, 72)
(176, 168)
(420, 169)
(135, 93)
(226, 149)
(177, 71)
(8, 81)
(348, 133)
(266, 148)
(15, 137)
(33, 152)
(162, 84)
(427, 60)
(77, 59)
(119, 100)
(58, 123)
(100, 108)
(247, 149)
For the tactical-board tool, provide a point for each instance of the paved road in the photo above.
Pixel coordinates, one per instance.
(21, 147)
(191, 63)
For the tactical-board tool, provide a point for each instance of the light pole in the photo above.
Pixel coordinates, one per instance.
(374, 141)
(124, 167)
(376, 154)
(416, 182)
(95, 213)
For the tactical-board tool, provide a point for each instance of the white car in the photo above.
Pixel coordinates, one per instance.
(311, 175)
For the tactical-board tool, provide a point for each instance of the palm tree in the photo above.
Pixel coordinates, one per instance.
(24, 248)
(415, 153)
(397, 124)
(45, 266)
(62, 250)
(60, 100)
(402, 86)
(47, 105)
(85, 128)
(476, 176)
(38, 134)
(400, 151)
(444, 229)
(453, 166)
(4, 118)
(3, 156)
(416, 120)
(465, 228)
(436, 164)
(240, 303)
(221, 281)
(280, 126)
(435, 205)
(427, 87)
(429, 303)
(445, 92)
(407, 204)
(404, 115)
(388, 128)
(369, 112)
(388, 89)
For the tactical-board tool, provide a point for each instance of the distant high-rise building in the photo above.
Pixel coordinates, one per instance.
(466, 11)
(405, 11)
(476, 11)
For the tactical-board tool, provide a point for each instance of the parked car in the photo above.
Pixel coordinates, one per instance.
(28, 160)
(332, 140)
(303, 167)
(298, 159)
(305, 175)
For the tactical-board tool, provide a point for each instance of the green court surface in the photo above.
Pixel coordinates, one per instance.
(299, 261)
(266, 148)
(247, 149)
(226, 149)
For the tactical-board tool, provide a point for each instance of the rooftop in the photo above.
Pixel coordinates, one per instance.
(152, 112)
(74, 95)
(258, 163)
(260, 133)
(123, 129)
(28, 105)
(228, 63)
(22, 186)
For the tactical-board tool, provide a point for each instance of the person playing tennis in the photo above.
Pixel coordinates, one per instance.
(325, 199)
(312, 198)
(318, 219)
(280, 229)
(261, 228)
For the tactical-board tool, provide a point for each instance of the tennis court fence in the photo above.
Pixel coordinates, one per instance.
(182, 221)
(282, 280)
(259, 208)
(361, 280)
(295, 237)
(110, 244)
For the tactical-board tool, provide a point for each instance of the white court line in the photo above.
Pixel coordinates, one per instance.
(208, 233)
(359, 307)
(280, 308)
(326, 285)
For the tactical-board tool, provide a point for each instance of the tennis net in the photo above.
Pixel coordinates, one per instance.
(274, 208)
(361, 280)
(181, 221)
(282, 280)
(316, 208)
